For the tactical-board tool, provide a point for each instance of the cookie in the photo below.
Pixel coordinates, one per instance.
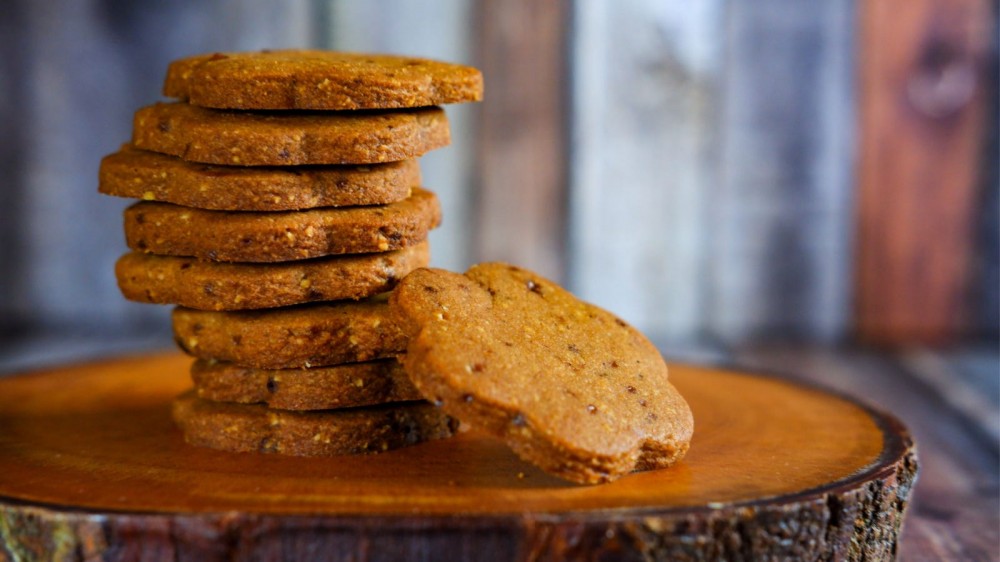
(319, 388)
(568, 386)
(208, 285)
(256, 428)
(296, 79)
(312, 335)
(234, 236)
(152, 176)
(214, 136)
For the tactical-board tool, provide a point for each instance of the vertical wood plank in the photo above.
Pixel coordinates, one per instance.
(986, 294)
(521, 156)
(645, 101)
(13, 97)
(921, 129)
(779, 248)
(444, 33)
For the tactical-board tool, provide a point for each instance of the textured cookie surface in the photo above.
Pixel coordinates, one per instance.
(289, 338)
(215, 136)
(299, 79)
(234, 236)
(318, 388)
(569, 386)
(152, 176)
(208, 285)
(256, 428)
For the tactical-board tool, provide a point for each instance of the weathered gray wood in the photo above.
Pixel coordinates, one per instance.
(779, 250)
(444, 33)
(645, 106)
(84, 66)
(12, 151)
(712, 168)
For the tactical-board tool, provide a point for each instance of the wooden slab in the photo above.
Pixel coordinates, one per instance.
(90, 465)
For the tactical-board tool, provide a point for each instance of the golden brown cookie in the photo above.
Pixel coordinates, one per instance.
(152, 176)
(256, 428)
(208, 285)
(312, 335)
(318, 388)
(215, 136)
(165, 229)
(298, 79)
(569, 386)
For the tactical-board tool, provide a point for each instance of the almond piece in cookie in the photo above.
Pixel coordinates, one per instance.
(567, 385)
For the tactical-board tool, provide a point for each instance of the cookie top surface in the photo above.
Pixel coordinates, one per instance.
(307, 79)
(241, 138)
(569, 386)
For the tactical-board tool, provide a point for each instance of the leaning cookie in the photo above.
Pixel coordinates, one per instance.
(569, 386)
(251, 427)
(303, 79)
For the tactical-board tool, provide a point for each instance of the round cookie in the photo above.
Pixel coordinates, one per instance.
(214, 136)
(318, 388)
(567, 385)
(152, 176)
(208, 285)
(234, 236)
(300, 79)
(312, 335)
(256, 428)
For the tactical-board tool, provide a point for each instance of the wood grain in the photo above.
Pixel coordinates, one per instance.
(90, 462)
(922, 108)
(955, 514)
(519, 216)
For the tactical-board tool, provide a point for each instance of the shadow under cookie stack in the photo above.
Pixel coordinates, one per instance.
(280, 202)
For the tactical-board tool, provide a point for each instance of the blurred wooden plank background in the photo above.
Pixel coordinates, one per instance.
(691, 166)
(75, 71)
(923, 101)
(646, 93)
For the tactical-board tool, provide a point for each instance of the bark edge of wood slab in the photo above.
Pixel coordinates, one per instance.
(854, 516)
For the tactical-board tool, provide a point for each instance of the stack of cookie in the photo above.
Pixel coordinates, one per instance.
(281, 200)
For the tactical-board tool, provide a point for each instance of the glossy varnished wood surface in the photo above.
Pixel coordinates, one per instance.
(98, 437)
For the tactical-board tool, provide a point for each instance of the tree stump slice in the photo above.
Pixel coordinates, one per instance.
(91, 467)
